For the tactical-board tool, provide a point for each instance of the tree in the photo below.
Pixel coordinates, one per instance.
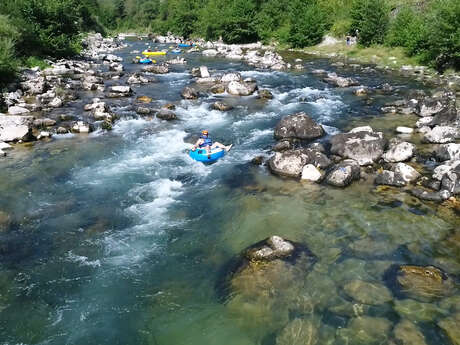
(309, 23)
(369, 18)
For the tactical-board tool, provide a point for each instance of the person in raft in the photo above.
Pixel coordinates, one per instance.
(206, 142)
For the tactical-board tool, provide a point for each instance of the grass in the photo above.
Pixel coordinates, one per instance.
(33, 61)
(379, 55)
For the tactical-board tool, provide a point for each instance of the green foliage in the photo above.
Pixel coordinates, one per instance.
(341, 28)
(309, 23)
(33, 61)
(407, 30)
(442, 47)
(370, 19)
(271, 20)
(8, 35)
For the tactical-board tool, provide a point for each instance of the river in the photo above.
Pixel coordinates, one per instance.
(120, 238)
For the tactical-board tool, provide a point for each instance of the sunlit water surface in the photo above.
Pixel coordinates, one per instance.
(120, 238)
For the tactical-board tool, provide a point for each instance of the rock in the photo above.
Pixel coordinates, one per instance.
(5, 221)
(55, 102)
(219, 88)
(46, 122)
(389, 178)
(364, 147)
(361, 91)
(112, 58)
(5, 146)
(204, 73)
(447, 166)
(288, 163)
(44, 134)
(241, 88)
(311, 173)
(264, 94)
(210, 80)
(426, 282)
(259, 160)
(122, 90)
(424, 121)
(404, 130)
(156, 69)
(406, 333)
(177, 61)
(137, 79)
(210, 52)
(429, 107)
(16, 110)
(365, 330)
(16, 128)
(189, 93)
(298, 332)
(362, 129)
(417, 311)
(317, 158)
(298, 126)
(166, 114)
(344, 173)
(275, 247)
(450, 326)
(442, 134)
(221, 106)
(451, 182)
(337, 81)
(448, 152)
(144, 99)
(367, 293)
(406, 172)
(81, 127)
(169, 106)
(35, 86)
(399, 152)
(282, 146)
(144, 110)
(61, 130)
(229, 77)
(430, 196)
(117, 67)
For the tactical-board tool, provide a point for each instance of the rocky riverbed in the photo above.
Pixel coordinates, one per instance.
(333, 219)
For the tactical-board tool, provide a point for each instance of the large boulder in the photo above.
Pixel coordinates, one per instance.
(298, 126)
(406, 172)
(442, 135)
(239, 88)
(221, 106)
(399, 152)
(121, 90)
(229, 77)
(451, 182)
(15, 128)
(166, 114)
(288, 163)
(364, 147)
(344, 173)
(389, 178)
(311, 173)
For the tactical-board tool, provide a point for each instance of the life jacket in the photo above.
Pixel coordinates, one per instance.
(207, 141)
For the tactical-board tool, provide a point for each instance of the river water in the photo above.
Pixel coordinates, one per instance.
(120, 238)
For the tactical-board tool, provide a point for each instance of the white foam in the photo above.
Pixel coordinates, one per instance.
(82, 260)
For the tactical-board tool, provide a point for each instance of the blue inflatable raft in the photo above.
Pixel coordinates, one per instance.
(183, 45)
(176, 51)
(201, 155)
(145, 61)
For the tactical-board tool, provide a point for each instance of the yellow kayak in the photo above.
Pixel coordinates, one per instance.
(153, 53)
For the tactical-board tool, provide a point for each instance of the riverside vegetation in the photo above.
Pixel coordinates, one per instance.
(426, 29)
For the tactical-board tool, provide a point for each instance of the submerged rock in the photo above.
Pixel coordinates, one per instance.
(417, 311)
(366, 330)
(425, 282)
(367, 293)
(406, 333)
(450, 326)
(298, 332)
(298, 126)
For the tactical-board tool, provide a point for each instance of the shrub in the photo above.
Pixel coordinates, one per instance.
(309, 23)
(341, 27)
(370, 19)
(8, 37)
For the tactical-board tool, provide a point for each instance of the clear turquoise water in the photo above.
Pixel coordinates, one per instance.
(120, 238)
